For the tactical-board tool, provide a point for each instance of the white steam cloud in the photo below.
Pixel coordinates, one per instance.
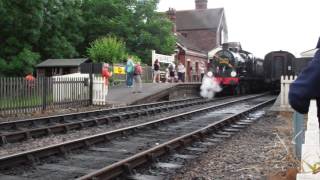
(209, 86)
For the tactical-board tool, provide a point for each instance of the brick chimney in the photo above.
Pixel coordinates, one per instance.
(171, 13)
(201, 4)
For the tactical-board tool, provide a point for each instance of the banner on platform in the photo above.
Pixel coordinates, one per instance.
(118, 69)
(162, 58)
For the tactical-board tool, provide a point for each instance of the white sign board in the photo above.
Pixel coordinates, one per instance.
(162, 58)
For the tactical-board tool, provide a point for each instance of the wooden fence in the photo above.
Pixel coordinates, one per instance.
(18, 95)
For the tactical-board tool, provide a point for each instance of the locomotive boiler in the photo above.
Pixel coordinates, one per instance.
(236, 70)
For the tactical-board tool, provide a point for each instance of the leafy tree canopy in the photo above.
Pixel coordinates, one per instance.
(134, 21)
(34, 30)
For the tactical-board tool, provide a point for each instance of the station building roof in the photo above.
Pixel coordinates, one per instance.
(199, 19)
(62, 62)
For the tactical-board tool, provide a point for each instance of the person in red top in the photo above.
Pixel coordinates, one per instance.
(106, 74)
(30, 80)
(137, 86)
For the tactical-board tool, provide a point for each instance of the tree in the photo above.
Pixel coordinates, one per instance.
(107, 49)
(41, 29)
(134, 21)
(61, 29)
(37, 29)
(20, 24)
(153, 31)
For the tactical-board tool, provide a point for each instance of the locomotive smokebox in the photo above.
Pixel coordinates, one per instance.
(225, 46)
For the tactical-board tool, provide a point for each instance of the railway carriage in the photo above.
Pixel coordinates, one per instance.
(276, 64)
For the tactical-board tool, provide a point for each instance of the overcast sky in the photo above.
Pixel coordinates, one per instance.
(262, 26)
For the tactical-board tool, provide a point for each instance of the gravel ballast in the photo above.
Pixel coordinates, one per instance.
(262, 151)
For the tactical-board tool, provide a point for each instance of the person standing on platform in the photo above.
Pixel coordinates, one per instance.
(307, 86)
(171, 73)
(202, 71)
(137, 86)
(106, 74)
(129, 71)
(181, 72)
(156, 71)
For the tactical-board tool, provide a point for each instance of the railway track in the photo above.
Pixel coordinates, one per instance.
(126, 148)
(16, 131)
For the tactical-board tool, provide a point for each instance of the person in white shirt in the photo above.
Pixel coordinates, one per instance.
(181, 72)
(201, 70)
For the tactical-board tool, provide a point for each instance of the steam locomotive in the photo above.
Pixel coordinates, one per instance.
(240, 72)
(236, 70)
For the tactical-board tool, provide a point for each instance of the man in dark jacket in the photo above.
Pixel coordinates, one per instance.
(307, 86)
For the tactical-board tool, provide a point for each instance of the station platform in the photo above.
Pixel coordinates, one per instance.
(151, 92)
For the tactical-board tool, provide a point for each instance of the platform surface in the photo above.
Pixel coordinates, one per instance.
(122, 95)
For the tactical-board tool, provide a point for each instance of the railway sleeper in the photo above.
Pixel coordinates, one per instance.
(226, 133)
(4, 140)
(184, 156)
(214, 140)
(243, 123)
(127, 168)
(237, 126)
(247, 121)
(33, 159)
(231, 129)
(220, 135)
(197, 149)
(49, 131)
(168, 165)
(207, 143)
(144, 177)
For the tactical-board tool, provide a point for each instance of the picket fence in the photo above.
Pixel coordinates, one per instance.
(284, 90)
(310, 149)
(65, 91)
(310, 153)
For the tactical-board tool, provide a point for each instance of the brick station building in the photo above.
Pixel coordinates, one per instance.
(198, 32)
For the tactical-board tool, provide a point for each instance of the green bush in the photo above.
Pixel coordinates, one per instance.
(107, 49)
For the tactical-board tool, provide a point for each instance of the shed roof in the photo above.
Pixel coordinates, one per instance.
(199, 19)
(62, 62)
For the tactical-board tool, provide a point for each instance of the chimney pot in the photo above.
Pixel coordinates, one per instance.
(201, 4)
(171, 13)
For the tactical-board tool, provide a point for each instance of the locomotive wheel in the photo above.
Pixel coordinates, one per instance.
(243, 89)
(237, 90)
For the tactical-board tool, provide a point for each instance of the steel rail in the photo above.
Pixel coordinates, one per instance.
(64, 126)
(70, 116)
(124, 167)
(34, 156)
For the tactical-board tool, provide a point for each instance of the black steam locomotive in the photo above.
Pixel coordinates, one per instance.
(236, 70)
(239, 71)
